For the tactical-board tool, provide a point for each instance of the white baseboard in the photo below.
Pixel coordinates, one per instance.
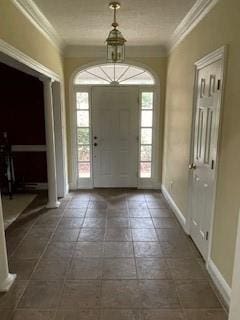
(174, 207)
(219, 281)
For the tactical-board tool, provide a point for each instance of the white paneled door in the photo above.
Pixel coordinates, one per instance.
(115, 136)
(206, 128)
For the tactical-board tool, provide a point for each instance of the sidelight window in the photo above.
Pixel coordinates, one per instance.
(146, 134)
(83, 135)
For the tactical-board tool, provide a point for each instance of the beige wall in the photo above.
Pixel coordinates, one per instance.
(220, 27)
(18, 31)
(158, 65)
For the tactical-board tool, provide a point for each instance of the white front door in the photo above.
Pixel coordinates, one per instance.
(208, 102)
(115, 136)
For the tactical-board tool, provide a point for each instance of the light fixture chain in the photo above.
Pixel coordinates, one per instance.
(115, 16)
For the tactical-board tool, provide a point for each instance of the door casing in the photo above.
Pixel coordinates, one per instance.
(217, 55)
(155, 182)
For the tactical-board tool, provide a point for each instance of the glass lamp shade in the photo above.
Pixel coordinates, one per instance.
(115, 46)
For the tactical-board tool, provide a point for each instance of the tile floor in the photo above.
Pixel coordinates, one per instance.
(106, 255)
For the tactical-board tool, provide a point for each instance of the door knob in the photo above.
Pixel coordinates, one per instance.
(95, 144)
(95, 138)
(192, 166)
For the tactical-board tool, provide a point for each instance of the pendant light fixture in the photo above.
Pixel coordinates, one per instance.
(115, 40)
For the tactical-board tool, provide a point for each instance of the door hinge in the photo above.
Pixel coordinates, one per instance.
(207, 235)
(219, 84)
(212, 164)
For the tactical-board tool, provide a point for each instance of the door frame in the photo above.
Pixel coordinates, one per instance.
(219, 54)
(143, 183)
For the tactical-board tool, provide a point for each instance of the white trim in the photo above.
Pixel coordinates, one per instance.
(6, 285)
(175, 208)
(53, 205)
(144, 184)
(29, 148)
(24, 59)
(78, 51)
(218, 54)
(59, 127)
(39, 20)
(219, 282)
(200, 9)
(211, 57)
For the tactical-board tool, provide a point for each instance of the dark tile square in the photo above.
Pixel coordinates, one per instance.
(147, 249)
(144, 235)
(84, 294)
(119, 268)
(197, 294)
(41, 295)
(152, 268)
(122, 294)
(91, 234)
(88, 250)
(118, 249)
(85, 268)
(159, 294)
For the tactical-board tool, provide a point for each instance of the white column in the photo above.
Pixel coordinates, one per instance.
(6, 279)
(235, 295)
(50, 142)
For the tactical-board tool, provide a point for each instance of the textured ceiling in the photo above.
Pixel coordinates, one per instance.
(142, 22)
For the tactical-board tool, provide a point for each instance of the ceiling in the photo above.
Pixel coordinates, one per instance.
(142, 22)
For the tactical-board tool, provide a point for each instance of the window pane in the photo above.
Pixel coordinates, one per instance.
(84, 170)
(146, 153)
(84, 153)
(82, 118)
(87, 78)
(106, 73)
(147, 100)
(83, 135)
(146, 136)
(146, 120)
(82, 100)
(145, 169)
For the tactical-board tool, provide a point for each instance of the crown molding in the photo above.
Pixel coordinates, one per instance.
(23, 62)
(38, 19)
(200, 9)
(77, 51)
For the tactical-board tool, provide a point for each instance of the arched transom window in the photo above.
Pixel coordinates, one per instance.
(114, 74)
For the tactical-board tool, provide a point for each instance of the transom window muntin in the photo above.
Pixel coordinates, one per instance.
(114, 74)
